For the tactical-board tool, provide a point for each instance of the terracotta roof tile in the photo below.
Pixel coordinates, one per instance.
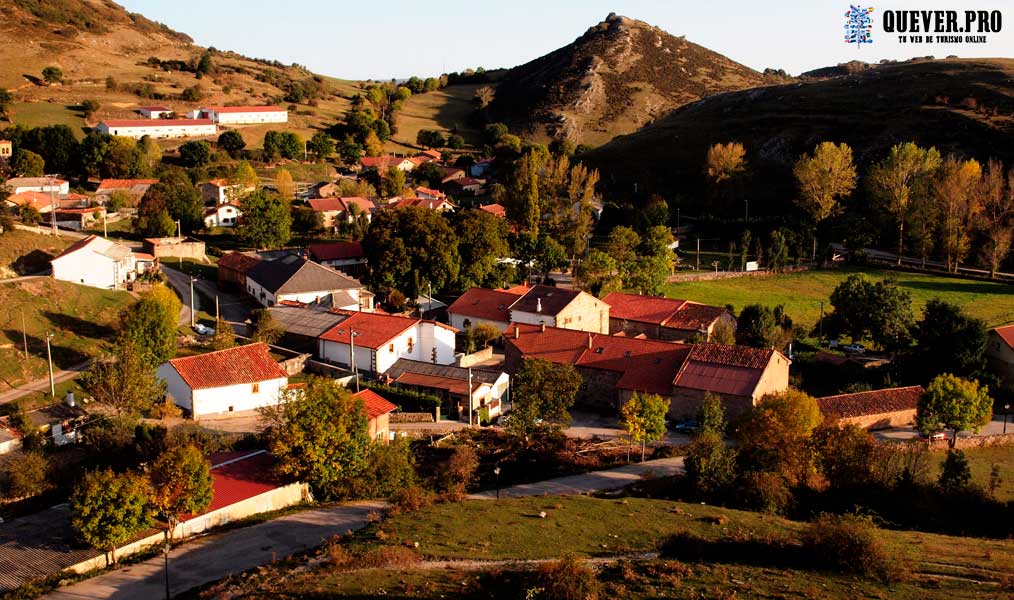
(233, 366)
(372, 330)
(495, 209)
(332, 204)
(1006, 334)
(374, 403)
(237, 261)
(873, 402)
(480, 303)
(336, 250)
(551, 300)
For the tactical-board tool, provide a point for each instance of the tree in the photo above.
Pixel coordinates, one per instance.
(901, 178)
(149, 325)
(350, 151)
(485, 95)
(955, 404)
(181, 484)
(430, 138)
(284, 185)
(881, 310)
(727, 170)
(26, 476)
(845, 455)
(409, 247)
(321, 145)
(643, 416)
(997, 193)
(193, 93)
(763, 327)
(648, 274)
(596, 272)
(480, 335)
(271, 147)
(948, 340)
(549, 255)
(455, 142)
(956, 189)
(6, 99)
(955, 474)
(265, 328)
(29, 215)
(372, 145)
(245, 175)
(622, 247)
(711, 416)
(232, 142)
(542, 390)
(319, 434)
(773, 436)
(174, 195)
(126, 382)
(52, 75)
(482, 241)
(267, 221)
(108, 509)
(28, 164)
(290, 145)
(392, 183)
(824, 177)
(195, 153)
(224, 337)
(56, 144)
(90, 107)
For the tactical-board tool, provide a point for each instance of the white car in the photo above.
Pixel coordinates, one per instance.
(203, 329)
(854, 348)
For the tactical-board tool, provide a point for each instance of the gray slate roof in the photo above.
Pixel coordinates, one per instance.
(404, 365)
(309, 322)
(295, 275)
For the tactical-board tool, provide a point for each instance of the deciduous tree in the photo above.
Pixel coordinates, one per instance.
(232, 142)
(125, 382)
(824, 178)
(107, 509)
(149, 325)
(955, 404)
(542, 391)
(956, 190)
(997, 193)
(181, 484)
(763, 327)
(267, 221)
(482, 241)
(284, 185)
(409, 247)
(643, 416)
(902, 177)
(195, 153)
(321, 145)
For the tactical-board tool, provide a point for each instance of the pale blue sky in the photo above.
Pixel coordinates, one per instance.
(399, 38)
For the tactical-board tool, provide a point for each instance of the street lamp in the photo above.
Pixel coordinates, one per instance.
(49, 357)
(496, 471)
(1006, 411)
(165, 552)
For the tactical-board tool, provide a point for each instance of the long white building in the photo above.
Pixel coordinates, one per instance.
(159, 128)
(243, 115)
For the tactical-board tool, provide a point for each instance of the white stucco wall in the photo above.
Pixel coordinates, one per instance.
(518, 316)
(238, 118)
(156, 131)
(88, 268)
(458, 322)
(415, 343)
(177, 389)
(238, 397)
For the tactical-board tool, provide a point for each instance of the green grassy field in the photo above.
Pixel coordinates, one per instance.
(801, 293)
(447, 110)
(491, 539)
(39, 114)
(25, 253)
(81, 319)
(981, 461)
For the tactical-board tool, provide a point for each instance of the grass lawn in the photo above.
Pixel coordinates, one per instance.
(585, 527)
(448, 110)
(981, 461)
(801, 293)
(25, 253)
(38, 114)
(82, 320)
(197, 268)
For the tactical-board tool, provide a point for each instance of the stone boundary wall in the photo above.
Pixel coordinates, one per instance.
(981, 441)
(714, 276)
(400, 417)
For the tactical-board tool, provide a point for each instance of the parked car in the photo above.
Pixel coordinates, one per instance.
(686, 427)
(854, 348)
(203, 329)
(934, 437)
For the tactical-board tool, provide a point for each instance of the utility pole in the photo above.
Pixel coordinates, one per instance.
(105, 229)
(352, 356)
(814, 255)
(698, 254)
(193, 308)
(49, 356)
(216, 307)
(746, 210)
(52, 204)
(24, 333)
(469, 396)
(820, 326)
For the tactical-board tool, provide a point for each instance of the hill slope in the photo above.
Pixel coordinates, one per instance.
(92, 40)
(964, 106)
(618, 76)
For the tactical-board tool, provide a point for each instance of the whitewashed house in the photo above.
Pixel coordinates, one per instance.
(155, 112)
(96, 262)
(240, 378)
(134, 188)
(44, 185)
(222, 215)
(295, 279)
(488, 389)
(158, 128)
(381, 340)
(480, 305)
(243, 115)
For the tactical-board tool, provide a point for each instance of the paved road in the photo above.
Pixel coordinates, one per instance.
(218, 556)
(42, 385)
(587, 483)
(233, 307)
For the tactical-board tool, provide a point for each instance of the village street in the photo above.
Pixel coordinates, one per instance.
(217, 556)
(233, 308)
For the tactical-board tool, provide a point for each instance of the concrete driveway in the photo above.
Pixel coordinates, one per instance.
(589, 425)
(586, 483)
(994, 427)
(218, 556)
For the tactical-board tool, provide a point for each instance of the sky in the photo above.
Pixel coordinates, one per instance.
(400, 38)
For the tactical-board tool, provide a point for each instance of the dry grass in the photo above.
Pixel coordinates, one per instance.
(447, 110)
(26, 253)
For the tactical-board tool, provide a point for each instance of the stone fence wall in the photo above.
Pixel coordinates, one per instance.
(716, 275)
(979, 441)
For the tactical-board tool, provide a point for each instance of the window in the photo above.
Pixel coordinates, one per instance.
(256, 389)
(390, 348)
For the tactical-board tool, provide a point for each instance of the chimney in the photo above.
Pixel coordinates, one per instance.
(542, 325)
(517, 332)
(538, 305)
(590, 340)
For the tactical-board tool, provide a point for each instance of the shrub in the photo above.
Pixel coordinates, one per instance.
(407, 400)
(390, 468)
(765, 492)
(847, 543)
(568, 579)
(26, 476)
(955, 474)
(411, 498)
(386, 557)
(459, 471)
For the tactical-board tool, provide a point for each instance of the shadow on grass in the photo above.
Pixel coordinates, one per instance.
(79, 327)
(32, 263)
(960, 286)
(766, 552)
(63, 357)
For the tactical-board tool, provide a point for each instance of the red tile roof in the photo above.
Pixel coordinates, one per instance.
(124, 184)
(545, 300)
(332, 204)
(1006, 334)
(385, 162)
(156, 122)
(695, 317)
(431, 154)
(245, 109)
(425, 191)
(374, 403)
(237, 261)
(243, 364)
(429, 203)
(730, 370)
(643, 309)
(365, 204)
(873, 402)
(480, 303)
(495, 209)
(372, 330)
(238, 476)
(37, 200)
(336, 250)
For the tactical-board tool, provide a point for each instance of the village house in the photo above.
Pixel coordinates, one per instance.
(427, 193)
(97, 262)
(324, 189)
(220, 191)
(347, 257)
(664, 318)
(497, 210)
(175, 247)
(377, 341)
(240, 378)
(222, 215)
(303, 326)
(874, 409)
(615, 367)
(158, 128)
(6, 149)
(233, 267)
(430, 155)
(489, 389)
(155, 112)
(333, 210)
(384, 163)
(44, 185)
(133, 188)
(480, 305)
(1000, 352)
(378, 412)
(452, 173)
(296, 279)
(37, 200)
(464, 186)
(77, 218)
(439, 204)
(242, 115)
(564, 308)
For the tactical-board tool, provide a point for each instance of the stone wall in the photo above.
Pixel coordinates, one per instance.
(981, 441)
(469, 360)
(901, 418)
(714, 276)
(687, 402)
(295, 365)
